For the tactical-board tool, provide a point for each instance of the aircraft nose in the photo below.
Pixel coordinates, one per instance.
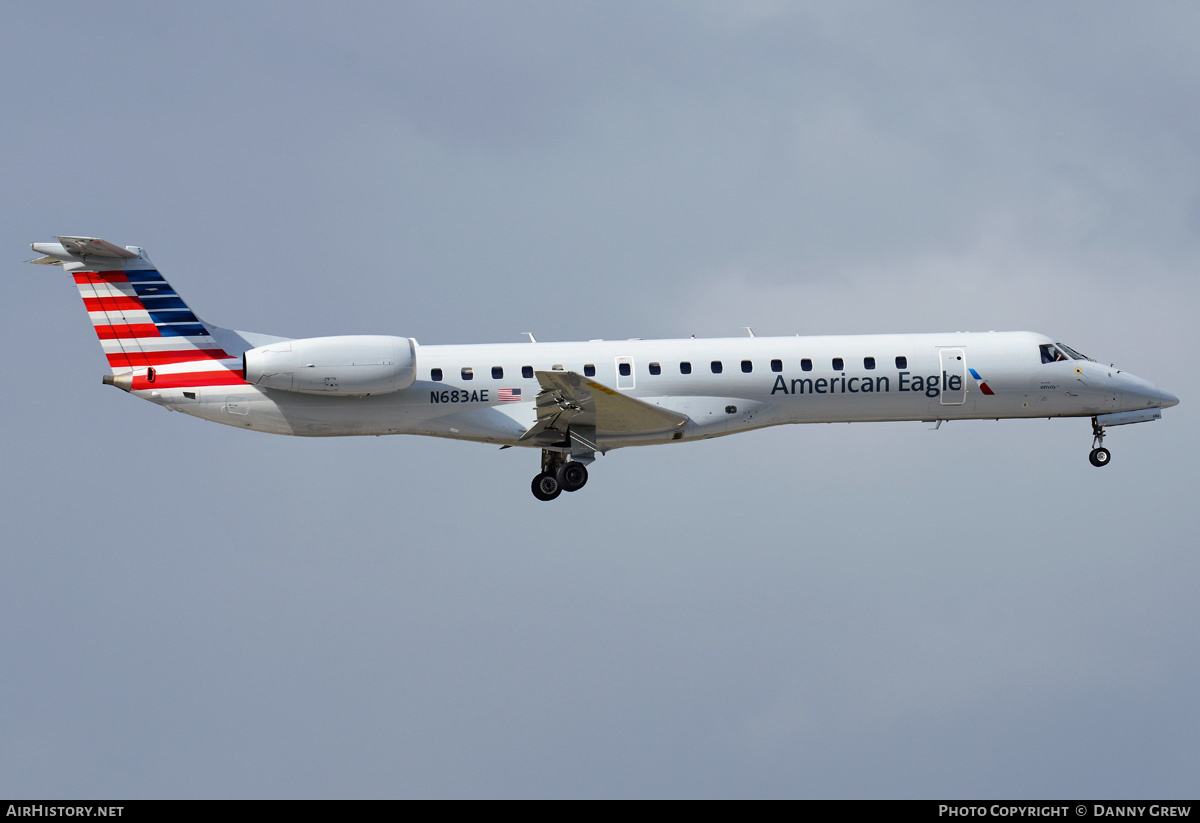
(1165, 399)
(1154, 396)
(1144, 393)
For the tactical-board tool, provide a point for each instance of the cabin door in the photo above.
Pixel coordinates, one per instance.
(954, 377)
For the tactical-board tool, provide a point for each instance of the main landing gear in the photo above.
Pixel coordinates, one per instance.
(1100, 455)
(558, 475)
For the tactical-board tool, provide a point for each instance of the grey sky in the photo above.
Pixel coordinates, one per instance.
(869, 610)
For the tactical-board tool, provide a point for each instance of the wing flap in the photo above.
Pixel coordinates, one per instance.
(570, 399)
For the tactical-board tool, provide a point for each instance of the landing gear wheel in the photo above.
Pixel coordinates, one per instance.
(1099, 457)
(546, 486)
(572, 476)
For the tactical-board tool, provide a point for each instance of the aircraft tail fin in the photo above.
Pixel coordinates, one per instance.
(151, 337)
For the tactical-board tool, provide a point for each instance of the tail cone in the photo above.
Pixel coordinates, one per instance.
(123, 381)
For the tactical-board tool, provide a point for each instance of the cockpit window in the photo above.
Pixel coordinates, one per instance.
(1073, 354)
(1052, 354)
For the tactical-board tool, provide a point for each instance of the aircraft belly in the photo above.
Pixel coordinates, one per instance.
(280, 412)
(707, 416)
(240, 406)
(488, 424)
(816, 408)
(405, 412)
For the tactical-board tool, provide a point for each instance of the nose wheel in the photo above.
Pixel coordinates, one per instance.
(1100, 455)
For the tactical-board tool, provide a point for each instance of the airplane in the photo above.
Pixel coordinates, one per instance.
(572, 400)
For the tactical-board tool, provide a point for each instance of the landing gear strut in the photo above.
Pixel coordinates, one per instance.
(1100, 455)
(558, 475)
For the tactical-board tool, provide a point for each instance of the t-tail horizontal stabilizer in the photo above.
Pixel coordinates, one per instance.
(81, 248)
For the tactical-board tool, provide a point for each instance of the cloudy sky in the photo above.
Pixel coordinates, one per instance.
(873, 610)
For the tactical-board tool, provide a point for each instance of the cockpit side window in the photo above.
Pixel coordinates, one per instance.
(1052, 354)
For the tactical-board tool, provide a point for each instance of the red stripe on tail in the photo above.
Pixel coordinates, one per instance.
(188, 380)
(113, 303)
(141, 359)
(124, 332)
(101, 277)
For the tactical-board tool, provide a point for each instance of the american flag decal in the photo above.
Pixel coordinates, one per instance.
(509, 394)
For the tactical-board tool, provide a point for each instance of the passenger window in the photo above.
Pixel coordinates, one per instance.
(685, 367)
(902, 362)
(868, 363)
(747, 366)
(589, 370)
(435, 375)
(655, 368)
(468, 373)
(716, 367)
(838, 364)
(527, 372)
(776, 365)
(497, 372)
(806, 365)
(623, 369)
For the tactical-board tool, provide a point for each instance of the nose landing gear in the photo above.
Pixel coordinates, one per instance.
(1100, 455)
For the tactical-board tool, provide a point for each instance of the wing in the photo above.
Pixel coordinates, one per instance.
(568, 400)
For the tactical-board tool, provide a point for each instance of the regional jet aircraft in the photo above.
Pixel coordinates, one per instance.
(572, 400)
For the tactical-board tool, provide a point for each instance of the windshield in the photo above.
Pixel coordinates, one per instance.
(1057, 352)
(1074, 354)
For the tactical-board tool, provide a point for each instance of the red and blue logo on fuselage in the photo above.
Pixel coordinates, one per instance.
(983, 387)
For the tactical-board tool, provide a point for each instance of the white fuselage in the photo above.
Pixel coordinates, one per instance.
(723, 386)
(572, 400)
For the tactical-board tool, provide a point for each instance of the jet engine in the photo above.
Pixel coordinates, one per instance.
(345, 366)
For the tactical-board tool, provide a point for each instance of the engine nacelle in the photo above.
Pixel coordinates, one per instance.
(346, 366)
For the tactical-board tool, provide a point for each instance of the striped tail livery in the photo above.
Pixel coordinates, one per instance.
(151, 337)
